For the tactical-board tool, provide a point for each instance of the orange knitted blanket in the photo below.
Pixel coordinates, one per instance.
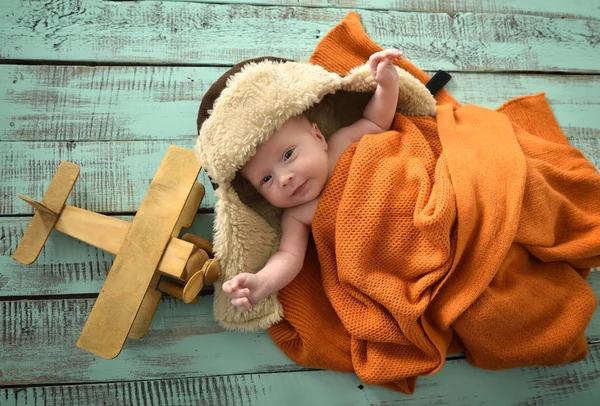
(472, 231)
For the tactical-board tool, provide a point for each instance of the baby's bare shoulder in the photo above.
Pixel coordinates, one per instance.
(303, 213)
(345, 136)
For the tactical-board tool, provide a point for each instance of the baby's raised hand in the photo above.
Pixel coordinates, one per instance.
(383, 70)
(240, 290)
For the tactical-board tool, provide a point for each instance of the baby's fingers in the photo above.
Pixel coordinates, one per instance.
(229, 286)
(242, 304)
(240, 293)
(375, 59)
(392, 53)
(383, 58)
(235, 283)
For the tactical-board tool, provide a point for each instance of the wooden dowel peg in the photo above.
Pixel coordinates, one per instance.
(178, 291)
(171, 288)
(199, 242)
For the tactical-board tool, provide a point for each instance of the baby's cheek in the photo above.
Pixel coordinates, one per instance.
(273, 199)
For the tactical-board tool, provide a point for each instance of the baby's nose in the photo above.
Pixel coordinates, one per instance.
(286, 178)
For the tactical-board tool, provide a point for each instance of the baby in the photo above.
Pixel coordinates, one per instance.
(291, 170)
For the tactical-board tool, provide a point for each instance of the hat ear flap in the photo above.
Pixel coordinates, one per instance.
(243, 242)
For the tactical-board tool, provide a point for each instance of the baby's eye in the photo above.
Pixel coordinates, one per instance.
(288, 154)
(265, 179)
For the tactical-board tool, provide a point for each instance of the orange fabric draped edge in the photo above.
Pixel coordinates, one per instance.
(472, 231)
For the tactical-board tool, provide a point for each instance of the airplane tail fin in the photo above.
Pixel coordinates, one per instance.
(47, 212)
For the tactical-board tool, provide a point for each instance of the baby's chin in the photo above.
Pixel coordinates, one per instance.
(311, 195)
(292, 203)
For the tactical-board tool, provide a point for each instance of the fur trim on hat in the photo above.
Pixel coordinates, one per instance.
(255, 102)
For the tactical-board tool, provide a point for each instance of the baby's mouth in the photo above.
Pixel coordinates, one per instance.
(299, 189)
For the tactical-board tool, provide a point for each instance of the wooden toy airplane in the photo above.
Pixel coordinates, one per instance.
(150, 258)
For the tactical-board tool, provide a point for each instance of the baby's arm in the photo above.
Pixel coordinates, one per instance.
(248, 289)
(379, 113)
(382, 106)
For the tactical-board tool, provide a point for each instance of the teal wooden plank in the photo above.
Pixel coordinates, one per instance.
(66, 266)
(42, 103)
(550, 8)
(593, 329)
(457, 384)
(39, 336)
(209, 34)
(114, 175)
(590, 148)
(38, 339)
(80, 103)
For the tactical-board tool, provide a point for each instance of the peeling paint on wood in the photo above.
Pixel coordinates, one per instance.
(215, 34)
(75, 103)
(39, 336)
(184, 340)
(78, 103)
(548, 8)
(456, 384)
(114, 175)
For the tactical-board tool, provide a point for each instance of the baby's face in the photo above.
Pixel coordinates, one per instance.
(291, 168)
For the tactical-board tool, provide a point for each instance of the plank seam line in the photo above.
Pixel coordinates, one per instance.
(296, 370)
(31, 298)
(84, 63)
(100, 141)
(209, 291)
(37, 385)
(112, 214)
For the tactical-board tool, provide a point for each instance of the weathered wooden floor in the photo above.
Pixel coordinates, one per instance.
(110, 84)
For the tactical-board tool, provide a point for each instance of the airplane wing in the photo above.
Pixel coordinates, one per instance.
(132, 272)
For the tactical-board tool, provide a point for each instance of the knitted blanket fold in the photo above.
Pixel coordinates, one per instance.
(472, 231)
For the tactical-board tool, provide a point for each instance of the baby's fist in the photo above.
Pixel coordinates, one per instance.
(241, 289)
(382, 69)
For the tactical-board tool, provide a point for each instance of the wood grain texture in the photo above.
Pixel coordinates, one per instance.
(549, 8)
(183, 341)
(38, 339)
(457, 383)
(65, 266)
(39, 102)
(114, 175)
(79, 103)
(214, 34)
